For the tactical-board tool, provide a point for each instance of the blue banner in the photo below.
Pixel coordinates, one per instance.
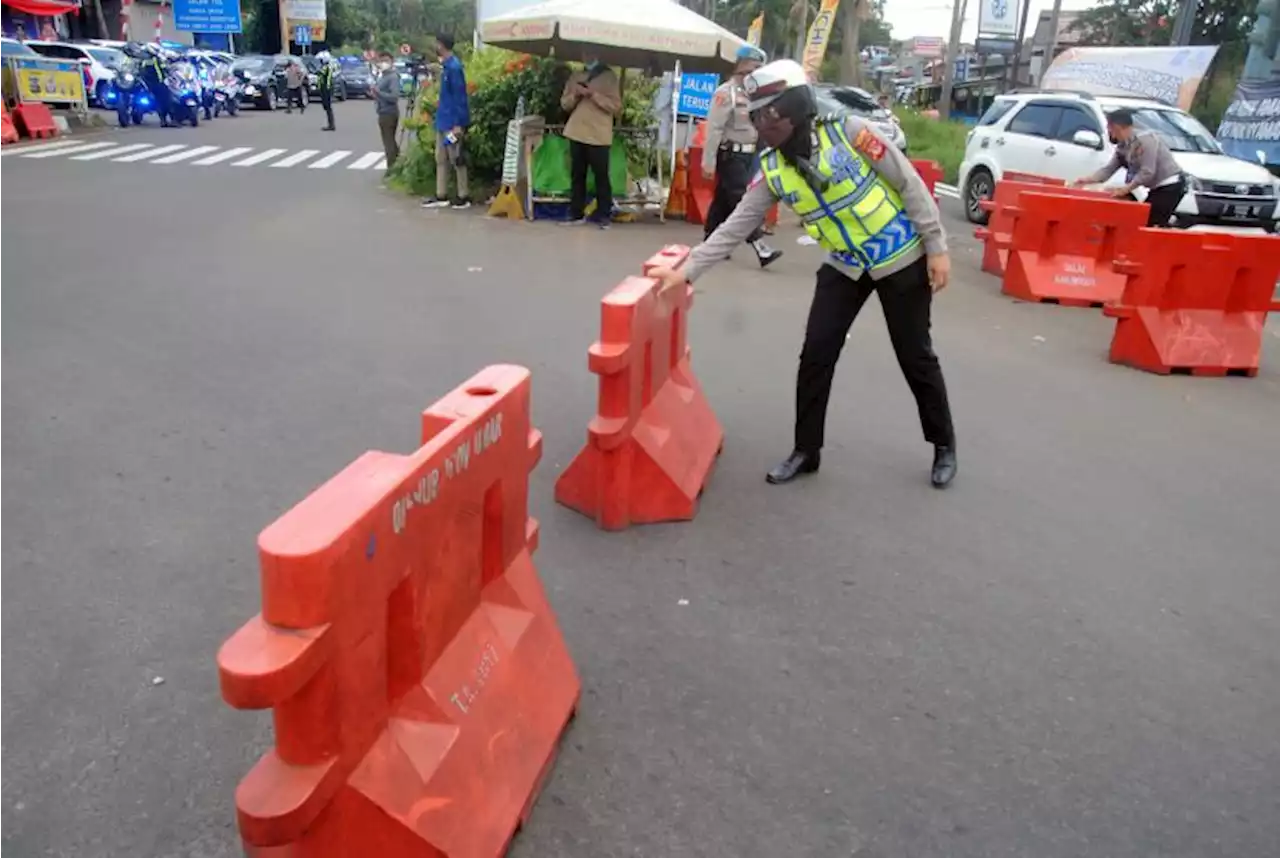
(1252, 122)
(696, 91)
(207, 16)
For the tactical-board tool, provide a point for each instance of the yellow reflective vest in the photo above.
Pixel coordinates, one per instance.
(859, 218)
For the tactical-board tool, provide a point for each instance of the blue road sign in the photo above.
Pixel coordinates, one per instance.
(207, 16)
(302, 34)
(696, 91)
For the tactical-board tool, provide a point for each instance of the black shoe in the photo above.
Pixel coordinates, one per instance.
(328, 128)
(793, 466)
(765, 254)
(944, 466)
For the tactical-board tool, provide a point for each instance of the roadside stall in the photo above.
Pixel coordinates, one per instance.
(34, 84)
(649, 36)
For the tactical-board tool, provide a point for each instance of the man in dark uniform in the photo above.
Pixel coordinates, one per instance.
(152, 72)
(1148, 164)
(730, 151)
(324, 82)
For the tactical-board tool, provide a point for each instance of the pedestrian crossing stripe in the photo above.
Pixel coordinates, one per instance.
(201, 156)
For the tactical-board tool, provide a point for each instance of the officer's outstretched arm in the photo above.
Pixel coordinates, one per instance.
(746, 218)
(887, 160)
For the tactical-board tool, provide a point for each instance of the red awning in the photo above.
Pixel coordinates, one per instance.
(43, 8)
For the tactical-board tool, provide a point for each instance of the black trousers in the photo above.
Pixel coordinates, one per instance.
(295, 95)
(1163, 202)
(906, 298)
(733, 174)
(582, 156)
(326, 101)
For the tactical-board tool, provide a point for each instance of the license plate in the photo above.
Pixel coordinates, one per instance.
(1241, 211)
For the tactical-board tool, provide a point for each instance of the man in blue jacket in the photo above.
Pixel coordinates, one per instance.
(452, 118)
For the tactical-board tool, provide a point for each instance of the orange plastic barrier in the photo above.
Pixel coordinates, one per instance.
(35, 120)
(418, 679)
(1063, 247)
(651, 447)
(998, 233)
(9, 133)
(677, 197)
(1195, 302)
(1033, 178)
(700, 189)
(931, 172)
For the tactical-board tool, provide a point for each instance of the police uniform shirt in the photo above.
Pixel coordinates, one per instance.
(885, 159)
(1147, 161)
(729, 121)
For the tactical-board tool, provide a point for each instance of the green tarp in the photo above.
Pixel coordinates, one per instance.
(551, 175)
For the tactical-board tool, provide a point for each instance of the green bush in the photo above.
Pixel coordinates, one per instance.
(934, 140)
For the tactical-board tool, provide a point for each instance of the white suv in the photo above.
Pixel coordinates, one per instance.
(98, 61)
(1063, 134)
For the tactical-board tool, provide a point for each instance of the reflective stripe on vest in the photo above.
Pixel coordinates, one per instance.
(859, 219)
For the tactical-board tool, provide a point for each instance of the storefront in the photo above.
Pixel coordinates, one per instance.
(37, 19)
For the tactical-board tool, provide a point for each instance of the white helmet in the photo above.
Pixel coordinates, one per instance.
(771, 80)
(323, 56)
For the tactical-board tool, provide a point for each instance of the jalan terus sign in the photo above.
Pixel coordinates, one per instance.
(306, 13)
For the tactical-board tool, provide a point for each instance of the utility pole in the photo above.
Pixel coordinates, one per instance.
(1017, 48)
(1052, 49)
(1185, 24)
(949, 65)
(804, 26)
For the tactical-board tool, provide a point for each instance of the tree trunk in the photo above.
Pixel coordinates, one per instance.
(102, 21)
(850, 62)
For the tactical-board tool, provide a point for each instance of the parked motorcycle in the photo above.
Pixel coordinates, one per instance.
(128, 96)
(184, 93)
(228, 88)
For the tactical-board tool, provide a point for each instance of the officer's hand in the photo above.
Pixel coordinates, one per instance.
(939, 271)
(709, 175)
(668, 278)
(1121, 191)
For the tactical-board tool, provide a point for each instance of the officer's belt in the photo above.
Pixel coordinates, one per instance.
(748, 148)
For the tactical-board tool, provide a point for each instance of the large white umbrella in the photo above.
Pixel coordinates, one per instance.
(636, 34)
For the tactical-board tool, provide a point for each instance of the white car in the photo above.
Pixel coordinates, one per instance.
(100, 63)
(1063, 135)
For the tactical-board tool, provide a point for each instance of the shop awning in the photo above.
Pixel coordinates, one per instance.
(43, 8)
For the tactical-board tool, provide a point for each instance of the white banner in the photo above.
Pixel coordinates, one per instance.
(1171, 75)
(304, 10)
(998, 18)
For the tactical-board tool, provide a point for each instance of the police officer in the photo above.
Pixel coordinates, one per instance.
(152, 72)
(730, 151)
(861, 200)
(324, 81)
(1148, 164)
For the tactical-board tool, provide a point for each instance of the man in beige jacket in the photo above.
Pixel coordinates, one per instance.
(592, 99)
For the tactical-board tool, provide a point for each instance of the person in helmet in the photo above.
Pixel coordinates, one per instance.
(152, 68)
(729, 154)
(863, 202)
(324, 82)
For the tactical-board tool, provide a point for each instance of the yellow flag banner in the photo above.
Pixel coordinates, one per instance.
(815, 46)
(756, 31)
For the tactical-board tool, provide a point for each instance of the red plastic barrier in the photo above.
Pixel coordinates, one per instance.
(998, 233)
(651, 447)
(35, 120)
(1031, 178)
(418, 679)
(931, 172)
(700, 189)
(8, 134)
(1195, 302)
(1063, 247)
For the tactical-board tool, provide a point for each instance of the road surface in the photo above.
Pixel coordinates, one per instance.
(1073, 651)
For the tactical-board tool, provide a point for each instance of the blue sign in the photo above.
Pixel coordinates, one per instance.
(1250, 128)
(696, 91)
(207, 16)
(302, 34)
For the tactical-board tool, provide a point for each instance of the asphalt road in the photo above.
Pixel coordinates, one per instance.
(1074, 651)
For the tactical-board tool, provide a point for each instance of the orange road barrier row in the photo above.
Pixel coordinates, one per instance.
(1062, 247)
(931, 172)
(1195, 303)
(654, 441)
(996, 235)
(418, 680)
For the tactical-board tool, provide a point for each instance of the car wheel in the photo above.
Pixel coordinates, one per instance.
(100, 93)
(271, 99)
(1270, 226)
(979, 186)
(342, 93)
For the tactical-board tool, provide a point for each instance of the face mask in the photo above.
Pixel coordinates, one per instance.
(384, 67)
(593, 66)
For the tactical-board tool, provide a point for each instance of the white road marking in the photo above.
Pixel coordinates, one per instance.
(366, 161)
(259, 158)
(225, 155)
(296, 158)
(382, 164)
(64, 143)
(329, 160)
(111, 153)
(149, 153)
(187, 155)
(54, 153)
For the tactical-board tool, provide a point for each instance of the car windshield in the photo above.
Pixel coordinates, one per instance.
(106, 56)
(16, 49)
(252, 64)
(1180, 131)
